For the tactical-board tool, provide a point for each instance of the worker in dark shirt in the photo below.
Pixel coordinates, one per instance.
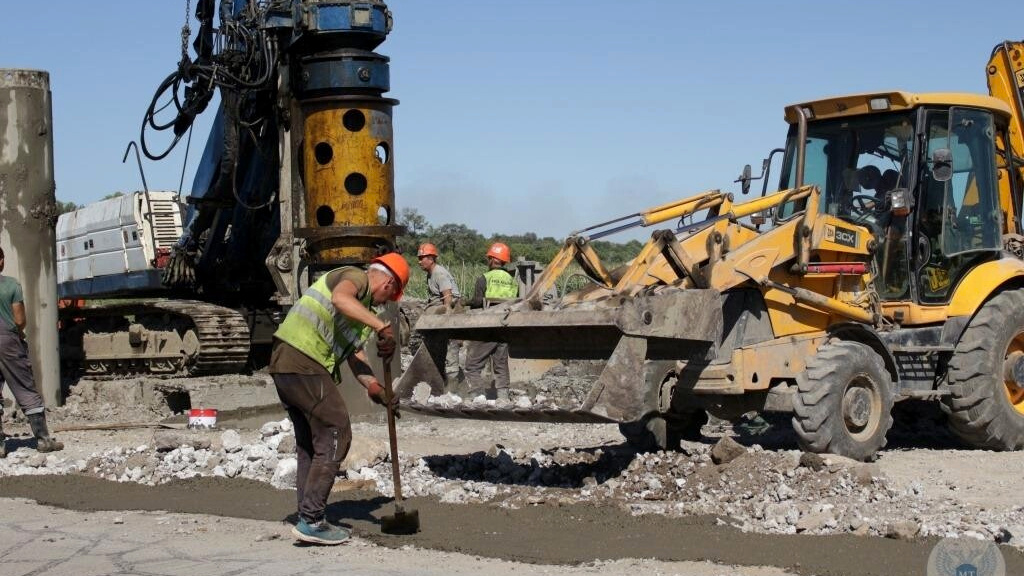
(15, 366)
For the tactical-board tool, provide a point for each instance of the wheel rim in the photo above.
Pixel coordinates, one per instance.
(1014, 391)
(862, 407)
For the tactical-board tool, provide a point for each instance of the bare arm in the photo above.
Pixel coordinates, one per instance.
(344, 299)
(19, 317)
(374, 390)
(361, 368)
(479, 290)
(446, 296)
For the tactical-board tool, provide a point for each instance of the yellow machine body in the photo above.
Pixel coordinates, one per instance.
(895, 235)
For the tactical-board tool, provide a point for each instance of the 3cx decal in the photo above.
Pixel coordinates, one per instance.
(840, 235)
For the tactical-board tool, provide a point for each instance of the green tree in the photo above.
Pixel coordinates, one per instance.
(415, 225)
(458, 240)
(65, 207)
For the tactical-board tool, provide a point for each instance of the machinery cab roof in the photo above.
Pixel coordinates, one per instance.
(877, 102)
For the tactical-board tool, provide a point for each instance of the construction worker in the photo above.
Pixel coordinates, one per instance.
(441, 288)
(15, 366)
(494, 286)
(442, 297)
(326, 327)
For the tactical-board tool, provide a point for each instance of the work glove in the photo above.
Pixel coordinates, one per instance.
(386, 341)
(379, 395)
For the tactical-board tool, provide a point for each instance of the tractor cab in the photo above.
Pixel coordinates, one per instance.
(919, 171)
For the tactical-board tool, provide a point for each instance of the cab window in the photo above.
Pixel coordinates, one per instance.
(959, 220)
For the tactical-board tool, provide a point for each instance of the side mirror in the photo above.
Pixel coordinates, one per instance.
(942, 165)
(745, 179)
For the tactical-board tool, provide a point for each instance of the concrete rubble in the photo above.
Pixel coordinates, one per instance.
(753, 489)
(761, 485)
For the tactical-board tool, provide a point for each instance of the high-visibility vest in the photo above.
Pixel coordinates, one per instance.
(316, 328)
(500, 285)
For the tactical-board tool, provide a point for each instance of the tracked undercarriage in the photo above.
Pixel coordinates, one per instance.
(117, 338)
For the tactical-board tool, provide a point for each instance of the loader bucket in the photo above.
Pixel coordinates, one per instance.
(673, 324)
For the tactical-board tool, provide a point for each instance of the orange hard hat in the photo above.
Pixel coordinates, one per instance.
(427, 249)
(394, 262)
(499, 251)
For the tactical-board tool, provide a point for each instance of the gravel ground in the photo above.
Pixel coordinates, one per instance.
(759, 484)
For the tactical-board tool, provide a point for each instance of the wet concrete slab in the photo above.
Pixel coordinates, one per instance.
(543, 534)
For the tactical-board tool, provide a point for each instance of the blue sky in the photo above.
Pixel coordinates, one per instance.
(531, 115)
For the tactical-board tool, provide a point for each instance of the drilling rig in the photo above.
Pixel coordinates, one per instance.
(296, 178)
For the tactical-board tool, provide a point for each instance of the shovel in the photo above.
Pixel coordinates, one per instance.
(402, 521)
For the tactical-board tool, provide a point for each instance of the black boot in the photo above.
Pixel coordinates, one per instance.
(45, 443)
(3, 438)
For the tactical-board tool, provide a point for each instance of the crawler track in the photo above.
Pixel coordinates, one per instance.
(172, 338)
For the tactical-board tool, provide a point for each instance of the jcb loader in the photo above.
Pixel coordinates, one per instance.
(888, 266)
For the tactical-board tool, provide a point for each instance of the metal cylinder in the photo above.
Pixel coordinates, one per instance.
(28, 215)
(349, 180)
(348, 174)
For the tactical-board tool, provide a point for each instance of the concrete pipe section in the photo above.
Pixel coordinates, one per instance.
(28, 214)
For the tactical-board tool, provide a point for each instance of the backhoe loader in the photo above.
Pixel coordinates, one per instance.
(888, 266)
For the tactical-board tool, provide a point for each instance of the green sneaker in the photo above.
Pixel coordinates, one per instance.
(320, 533)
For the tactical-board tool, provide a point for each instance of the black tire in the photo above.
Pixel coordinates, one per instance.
(985, 409)
(844, 401)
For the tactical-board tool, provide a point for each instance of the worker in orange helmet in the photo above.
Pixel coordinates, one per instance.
(327, 326)
(441, 287)
(443, 296)
(494, 286)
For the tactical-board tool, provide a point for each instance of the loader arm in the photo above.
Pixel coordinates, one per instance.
(666, 304)
(1006, 82)
(577, 246)
(689, 255)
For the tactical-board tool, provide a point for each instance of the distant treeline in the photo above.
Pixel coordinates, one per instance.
(460, 243)
(462, 252)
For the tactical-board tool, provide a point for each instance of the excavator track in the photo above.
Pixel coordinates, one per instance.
(223, 336)
(170, 338)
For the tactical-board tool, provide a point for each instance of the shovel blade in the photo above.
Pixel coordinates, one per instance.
(401, 522)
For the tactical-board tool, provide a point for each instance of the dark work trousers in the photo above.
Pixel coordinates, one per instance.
(323, 434)
(449, 348)
(16, 370)
(477, 354)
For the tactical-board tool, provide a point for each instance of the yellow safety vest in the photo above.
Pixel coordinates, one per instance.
(500, 285)
(316, 328)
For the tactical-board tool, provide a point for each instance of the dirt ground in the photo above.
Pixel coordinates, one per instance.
(524, 498)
